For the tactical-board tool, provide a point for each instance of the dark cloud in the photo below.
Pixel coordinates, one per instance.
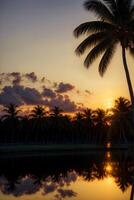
(63, 193)
(88, 92)
(64, 87)
(53, 94)
(14, 77)
(20, 95)
(31, 76)
(48, 93)
(51, 187)
(17, 78)
(26, 185)
(63, 102)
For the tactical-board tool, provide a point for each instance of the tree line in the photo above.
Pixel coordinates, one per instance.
(85, 127)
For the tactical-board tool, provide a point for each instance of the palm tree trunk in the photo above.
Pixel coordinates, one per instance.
(128, 79)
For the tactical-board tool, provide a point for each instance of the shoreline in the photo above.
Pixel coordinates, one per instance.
(20, 148)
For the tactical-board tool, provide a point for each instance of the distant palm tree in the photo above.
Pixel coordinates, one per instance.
(88, 123)
(88, 115)
(115, 25)
(38, 112)
(11, 123)
(122, 105)
(78, 116)
(38, 123)
(11, 112)
(121, 120)
(100, 118)
(56, 111)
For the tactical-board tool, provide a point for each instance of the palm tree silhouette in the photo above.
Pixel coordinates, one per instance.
(56, 112)
(100, 118)
(38, 112)
(122, 105)
(121, 120)
(115, 25)
(11, 122)
(11, 112)
(38, 122)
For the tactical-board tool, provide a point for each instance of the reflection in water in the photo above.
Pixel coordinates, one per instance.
(58, 176)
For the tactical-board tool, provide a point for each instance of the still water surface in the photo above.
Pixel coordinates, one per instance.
(95, 176)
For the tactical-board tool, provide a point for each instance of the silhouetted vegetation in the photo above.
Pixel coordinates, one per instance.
(114, 25)
(41, 170)
(54, 127)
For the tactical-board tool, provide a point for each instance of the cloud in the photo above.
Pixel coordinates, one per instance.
(48, 93)
(63, 193)
(20, 95)
(25, 185)
(51, 187)
(31, 76)
(64, 87)
(16, 78)
(88, 92)
(63, 102)
(15, 88)
(13, 77)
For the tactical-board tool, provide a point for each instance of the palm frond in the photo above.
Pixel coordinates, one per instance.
(111, 5)
(93, 26)
(89, 41)
(108, 55)
(124, 8)
(100, 9)
(96, 51)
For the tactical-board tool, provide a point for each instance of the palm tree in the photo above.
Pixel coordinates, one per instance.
(121, 120)
(122, 105)
(11, 112)
(115, 25)
(38, 124)
(100, 118)
(88, 123)
(38, 112)
(11, 123)
(56, 112)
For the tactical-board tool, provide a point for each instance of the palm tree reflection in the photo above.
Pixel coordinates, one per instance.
(55, 174)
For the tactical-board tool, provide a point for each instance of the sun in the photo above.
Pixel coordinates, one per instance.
(109, 103)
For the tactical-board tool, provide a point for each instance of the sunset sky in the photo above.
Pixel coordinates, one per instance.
(36, 41)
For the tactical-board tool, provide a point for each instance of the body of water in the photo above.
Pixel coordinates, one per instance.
(79, 176)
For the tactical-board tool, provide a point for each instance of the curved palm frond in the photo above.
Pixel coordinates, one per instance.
(108, 55)
(97, 7)
(89, 41)
(93, 26)
(111, 4)
(96, 51)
